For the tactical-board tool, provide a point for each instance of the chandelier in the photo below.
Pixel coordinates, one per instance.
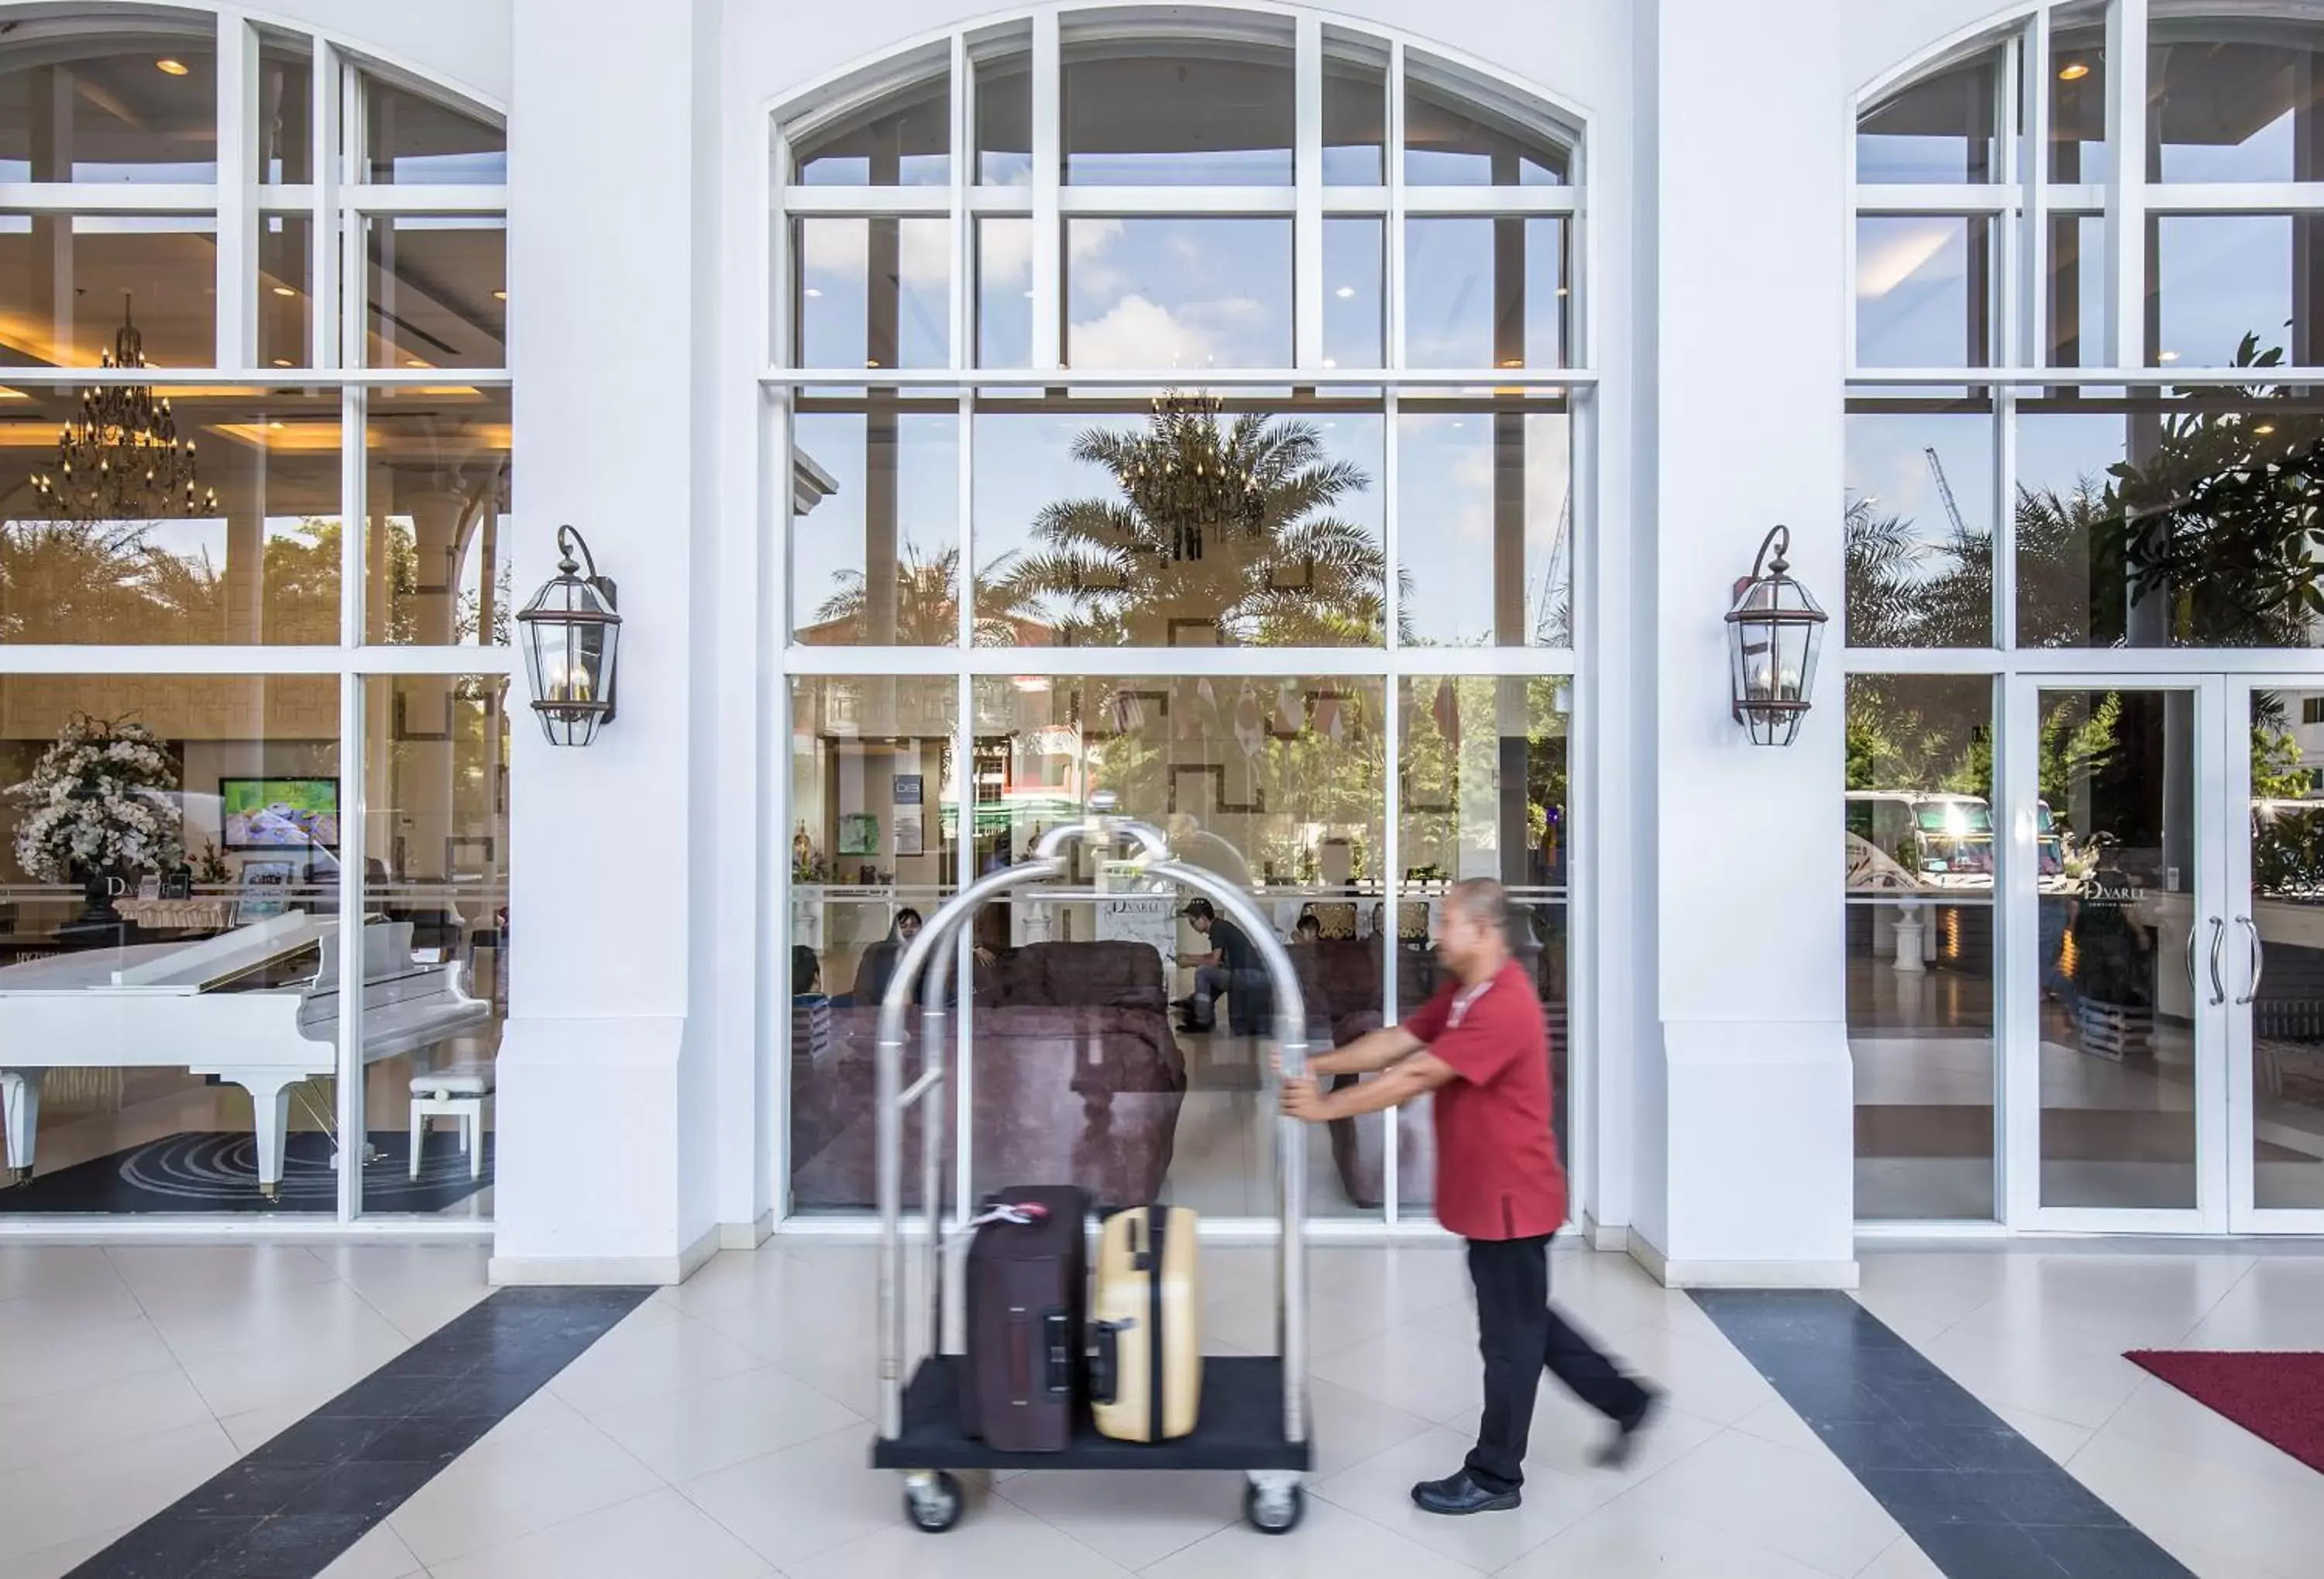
(1182, 479)
(121, 459)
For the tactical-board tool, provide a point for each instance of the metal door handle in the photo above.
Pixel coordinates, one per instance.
(2192, 988)
(2218, 936)
(2258, 959)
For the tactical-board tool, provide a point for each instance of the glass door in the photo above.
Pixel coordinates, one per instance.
(2115, 1077)
(2274, 966)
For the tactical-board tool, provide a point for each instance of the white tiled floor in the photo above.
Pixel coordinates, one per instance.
(129, 1376)
(720, 1429)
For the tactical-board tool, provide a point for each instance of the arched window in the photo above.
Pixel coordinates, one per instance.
(255, 431)
(1174, 331)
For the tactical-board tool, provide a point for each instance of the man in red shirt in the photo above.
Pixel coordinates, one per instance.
(1479, 1045)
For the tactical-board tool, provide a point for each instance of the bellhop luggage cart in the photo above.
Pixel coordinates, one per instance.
(1253, 1416)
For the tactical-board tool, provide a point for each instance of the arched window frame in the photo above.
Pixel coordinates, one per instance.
(1049, 202)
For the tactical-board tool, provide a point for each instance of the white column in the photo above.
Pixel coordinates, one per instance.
(606, 1095)
(1744, 1139)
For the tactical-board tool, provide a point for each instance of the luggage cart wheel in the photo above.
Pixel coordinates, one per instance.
(1274, 1507)
(932, 1501)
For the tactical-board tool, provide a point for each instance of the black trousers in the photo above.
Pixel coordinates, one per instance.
(1518, 1334)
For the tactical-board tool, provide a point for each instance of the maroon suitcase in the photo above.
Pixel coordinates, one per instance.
(1023, 1300)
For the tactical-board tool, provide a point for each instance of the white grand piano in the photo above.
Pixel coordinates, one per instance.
(258, 1006)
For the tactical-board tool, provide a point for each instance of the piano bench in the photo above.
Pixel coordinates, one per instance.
(458, 1090)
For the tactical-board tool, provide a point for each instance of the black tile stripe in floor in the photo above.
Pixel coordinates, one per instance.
(288, 1509)
(1979, 1499)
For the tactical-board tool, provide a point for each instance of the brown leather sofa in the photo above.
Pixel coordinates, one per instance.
(1357, 1145)
(1077, 1079)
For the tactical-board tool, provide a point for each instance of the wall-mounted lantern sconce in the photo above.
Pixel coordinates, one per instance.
(572, 640)
(1774, 632)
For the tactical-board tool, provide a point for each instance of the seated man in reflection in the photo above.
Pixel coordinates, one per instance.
(1231, 964)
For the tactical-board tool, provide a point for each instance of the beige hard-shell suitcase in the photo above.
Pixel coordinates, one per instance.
(1146, 1338)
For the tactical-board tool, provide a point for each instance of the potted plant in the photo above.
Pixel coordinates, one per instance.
(99, 810)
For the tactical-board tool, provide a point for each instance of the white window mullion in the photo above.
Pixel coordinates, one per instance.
(962, 305)
(963, 1065)
(1048, 169)
(354, 517)
(237, 181)
(775, 303)
(1391, 871)
(1393, 280)
(1307, 216)
(353, 1126)
(2006, 238)
(2004, 486)
(1391, 523)
(2127, 191)
(324, 337)
(2033, 182)
(354, 326)
(965, 593)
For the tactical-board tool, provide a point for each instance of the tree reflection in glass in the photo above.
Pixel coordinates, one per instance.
(1220, 531)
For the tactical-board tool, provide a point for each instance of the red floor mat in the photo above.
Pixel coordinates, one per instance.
(2276, 1395)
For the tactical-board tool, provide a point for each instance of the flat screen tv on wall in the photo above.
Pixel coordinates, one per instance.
(279, 814)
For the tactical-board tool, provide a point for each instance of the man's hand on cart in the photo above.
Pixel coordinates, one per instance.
(1302, 1101)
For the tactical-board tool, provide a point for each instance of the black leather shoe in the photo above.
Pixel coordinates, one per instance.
(1616, 1454)
(1458, 1493)
(1188, 1028)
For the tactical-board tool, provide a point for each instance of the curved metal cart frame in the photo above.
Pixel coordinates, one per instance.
(1241, 1427)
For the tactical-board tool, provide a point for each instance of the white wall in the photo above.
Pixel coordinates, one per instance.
(463, 44)
(606, 1069)
(1751, 1108)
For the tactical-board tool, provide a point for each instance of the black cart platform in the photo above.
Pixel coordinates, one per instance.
(1241, 1427)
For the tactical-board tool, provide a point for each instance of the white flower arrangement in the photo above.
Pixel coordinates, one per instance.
(99, 800)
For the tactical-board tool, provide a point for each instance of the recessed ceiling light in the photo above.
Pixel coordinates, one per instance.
(872, 361)
(171, 68)
(2169, 356)
(282, 361)
(812, 291)
(2074, 71)
(1344, 291)
(499, 296)
(1513, 362)
(284, 290)
(416, 362)
(1562, 291)
(276, 423)
(1329, 363)
(2264, 428)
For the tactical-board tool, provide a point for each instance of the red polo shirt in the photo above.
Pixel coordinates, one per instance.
(1497, 1176)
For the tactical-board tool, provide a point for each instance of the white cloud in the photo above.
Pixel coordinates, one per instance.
(839, 251)
(1137, 333)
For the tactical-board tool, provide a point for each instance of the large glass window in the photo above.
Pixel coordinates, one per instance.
(2101, 477)
(162, 497)
(1163, 414)
(1920, 906)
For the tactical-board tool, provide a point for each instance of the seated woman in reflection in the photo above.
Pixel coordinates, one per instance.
(880, 961)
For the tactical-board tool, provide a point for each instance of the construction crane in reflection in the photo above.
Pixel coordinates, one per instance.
(1552, 620)
(1945, 493)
